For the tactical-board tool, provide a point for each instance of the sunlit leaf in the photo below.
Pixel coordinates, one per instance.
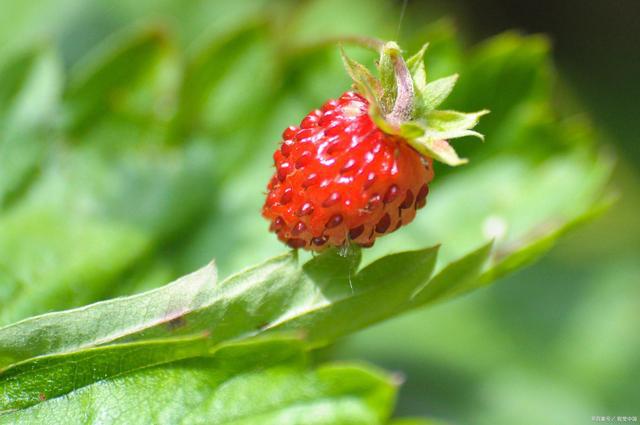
(266, 382)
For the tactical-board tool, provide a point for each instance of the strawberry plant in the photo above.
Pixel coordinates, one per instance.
(133, 168)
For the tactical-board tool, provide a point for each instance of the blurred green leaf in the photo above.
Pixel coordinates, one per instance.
(209, 70)
(266, 382)
(525, 252)
(30, 87)
(502, 74)
(61, 262)
(133, 77)
(512, 200)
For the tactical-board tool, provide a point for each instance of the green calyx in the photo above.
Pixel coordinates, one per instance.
(403, 103)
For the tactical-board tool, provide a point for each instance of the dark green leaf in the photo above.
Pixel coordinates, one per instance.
(30, 382)
(265, 382)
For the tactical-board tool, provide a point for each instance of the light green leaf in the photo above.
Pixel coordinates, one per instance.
(106, 321)
(509, 199)
(264, 381)
(30, 382)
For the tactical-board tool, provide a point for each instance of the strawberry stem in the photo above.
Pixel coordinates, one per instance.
(403, 106)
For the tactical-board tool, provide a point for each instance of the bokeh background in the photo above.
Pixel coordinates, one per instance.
(558, 342)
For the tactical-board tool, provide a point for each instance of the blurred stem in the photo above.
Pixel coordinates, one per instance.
(403, 106)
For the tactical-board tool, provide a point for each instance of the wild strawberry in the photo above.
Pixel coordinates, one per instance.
(360, 167)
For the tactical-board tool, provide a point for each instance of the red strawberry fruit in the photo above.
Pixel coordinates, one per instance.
(360, 167)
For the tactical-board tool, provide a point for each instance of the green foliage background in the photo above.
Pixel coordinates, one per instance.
(136, 142)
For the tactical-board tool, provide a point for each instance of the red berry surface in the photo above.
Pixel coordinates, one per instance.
(339, 178)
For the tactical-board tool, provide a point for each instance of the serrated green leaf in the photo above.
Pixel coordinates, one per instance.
(30, 382)
(387, 284)
(107, 321)
(325, 299)
(264, 382)
(456, 278)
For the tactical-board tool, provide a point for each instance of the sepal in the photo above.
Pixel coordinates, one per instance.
(403, 103)
(417, 69)
(435, 92)
(368, 85)
(452, 124)
(439, 149)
